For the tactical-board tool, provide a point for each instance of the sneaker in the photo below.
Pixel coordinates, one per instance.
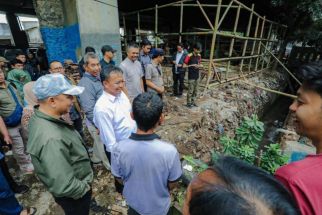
(194, 104)
(21, 189)
(189, 105)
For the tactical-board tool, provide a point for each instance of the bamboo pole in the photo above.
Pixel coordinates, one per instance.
(234, 78)
(247, 35)
(289, 72)
(205, 15)
(266, 43)
(125, 33)
(204, 5)
(269, 90)
(254, 44)
(156, 27)
(153, 8)
(224, 14)
(259, 47)
(214, 67)
(232, 58)
(181, 21)
(213, 42)
(232, 42)
(211, 32)
(139, 28)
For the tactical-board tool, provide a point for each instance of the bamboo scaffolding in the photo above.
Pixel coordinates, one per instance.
(205, 15)
(232, 42)
(213, 42)
(247, 35)
(288, 71)
(269, 90)
(254, 44)
(224, 14)
(181, 21)
(266, 43)
(259, 47)
(139, 28)
(210, 32)
(156, 27)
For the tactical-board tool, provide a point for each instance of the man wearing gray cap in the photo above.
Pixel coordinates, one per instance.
(56, 148)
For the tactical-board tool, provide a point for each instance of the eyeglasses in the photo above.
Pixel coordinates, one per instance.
(58, 68)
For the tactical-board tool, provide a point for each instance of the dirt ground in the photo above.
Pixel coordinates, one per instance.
(194, 131)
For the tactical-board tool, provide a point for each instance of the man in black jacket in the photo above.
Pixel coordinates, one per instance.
(178, 71)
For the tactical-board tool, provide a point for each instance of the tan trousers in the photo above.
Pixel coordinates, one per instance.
(98, 148)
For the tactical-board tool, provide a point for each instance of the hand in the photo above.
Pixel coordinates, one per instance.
(179, 65)
(7, 139)
(161, 89)
(97, 131)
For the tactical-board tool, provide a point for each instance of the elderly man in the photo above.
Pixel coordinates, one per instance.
(57, 150)
(112, 112)
(132, 72)
(93, 90)
(75, 111)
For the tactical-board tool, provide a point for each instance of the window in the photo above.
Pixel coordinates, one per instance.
(5, 32)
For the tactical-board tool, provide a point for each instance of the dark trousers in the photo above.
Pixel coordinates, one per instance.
(8, 202)
(178, 83)
(75, 206)
(78, 125)
(6, 173)
(118, 186)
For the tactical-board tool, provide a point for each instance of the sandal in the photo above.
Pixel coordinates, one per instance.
(30, 210)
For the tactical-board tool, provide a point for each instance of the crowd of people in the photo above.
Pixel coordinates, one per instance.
(43, 117)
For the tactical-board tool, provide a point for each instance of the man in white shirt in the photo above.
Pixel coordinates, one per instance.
(112, 112)
(132, 72)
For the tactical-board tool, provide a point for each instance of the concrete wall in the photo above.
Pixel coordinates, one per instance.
(99, 25)
(59, 28)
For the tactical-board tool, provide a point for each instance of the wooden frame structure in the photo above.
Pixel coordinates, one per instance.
(261, 49)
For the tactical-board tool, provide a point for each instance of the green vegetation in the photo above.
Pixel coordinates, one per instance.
(245, 145)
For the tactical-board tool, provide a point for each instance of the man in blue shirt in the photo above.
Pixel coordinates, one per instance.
(147, 166)
(93, 90)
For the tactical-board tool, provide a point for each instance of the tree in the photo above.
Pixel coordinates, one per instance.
(299, 15)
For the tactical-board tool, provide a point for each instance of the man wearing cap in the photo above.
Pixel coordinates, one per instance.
(153, 73)
(108, 54)
(56, 148)
(75, 111)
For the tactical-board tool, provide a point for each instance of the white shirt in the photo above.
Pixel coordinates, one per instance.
(113, 119)
(178, 57)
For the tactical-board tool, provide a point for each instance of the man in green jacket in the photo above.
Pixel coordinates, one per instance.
(56, 148)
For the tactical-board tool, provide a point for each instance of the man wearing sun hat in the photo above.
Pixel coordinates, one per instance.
(56, 148)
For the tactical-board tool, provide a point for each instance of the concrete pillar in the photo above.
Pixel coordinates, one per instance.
(68, 26)
(99, 25)
(59, 28)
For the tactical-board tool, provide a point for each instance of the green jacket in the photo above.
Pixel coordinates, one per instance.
(59, 156)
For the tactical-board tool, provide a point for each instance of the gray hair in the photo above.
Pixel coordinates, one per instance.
(108, 71)
(132, 45)
(90, 55)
